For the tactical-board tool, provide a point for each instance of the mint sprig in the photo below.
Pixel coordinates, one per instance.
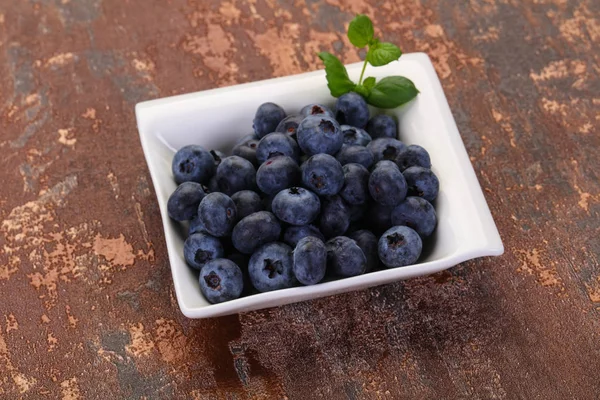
(391, 91)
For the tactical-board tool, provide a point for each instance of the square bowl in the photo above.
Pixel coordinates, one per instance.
(216, 118)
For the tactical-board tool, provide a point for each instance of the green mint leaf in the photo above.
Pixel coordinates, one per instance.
(362, 90)
(383, 53)
(338, 81)
(360, 31)
(392, 91)
(368, 83)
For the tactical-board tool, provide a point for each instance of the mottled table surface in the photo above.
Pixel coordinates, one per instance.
(87, 308)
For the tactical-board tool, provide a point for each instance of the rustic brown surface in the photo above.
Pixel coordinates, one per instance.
(87, 308)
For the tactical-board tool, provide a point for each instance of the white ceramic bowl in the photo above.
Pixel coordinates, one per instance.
(216, 118)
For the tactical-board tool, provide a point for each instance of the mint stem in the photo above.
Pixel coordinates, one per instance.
(363, 71)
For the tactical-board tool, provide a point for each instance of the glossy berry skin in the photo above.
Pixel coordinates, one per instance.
(413, 156)
(235, 174)
(355, 136)
(323, 174)
(271, 267)
(247, 150)
(355, 154)
(335, 217)
(416, 213)
(381, 126)
(316, 109)
(310, 260)
(385, 149)
(247, 202)
(221, 280)
(218, 214)
(356, 184)
(296, 206)
(319, 134)
(277, 144)
(293, 234)
(367, 242)
(254, 231)
(183, 202)
(351, 109)
(387, 185)
(268, 116)
(192, 163)
(276, 174)
(344, 257)
(422, 182)
(399, 246)
(200, 248)
(289, 125)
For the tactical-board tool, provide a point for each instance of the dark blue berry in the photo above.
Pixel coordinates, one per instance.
(213, 185)
(355, 136)
(277, 144)
(235, 174)
(296, 206)
(387, 185)
(218, 214)
(367, 242)
(378, 218)
(319, 134)
(355, 154)
(323, 174)
(183, 202)
(271, 267)
(316, 109)
(344, 257)
(192, 164)
(217, 157)
(293, 234)
(413, 156)
(247, 150)
(310, 260)
(247, 202)
(196, 225)
(399, 246)
(381, 126)
(422, 182)
(276, 174)
(246, 138)
(357, 211)
(254, 231)
(385, 149)
(351, 109)
(267, 117)
(221, 280)
(200, 248)
(335, 216)
(356, 184)
(416, 213)
(289, 125)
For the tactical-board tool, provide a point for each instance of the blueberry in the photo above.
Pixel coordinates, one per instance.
(356, 184)
(386, 149)
(351, 109)
(319, 134)
(355, 154)
(381, 126)
(399, 246)
(276, 174)
(192, 164)
(213, 185)
(293, 234)
(416, 213)
(235, 174)
(196, 225)
(247, 150)
(357, 211)
(335, 216)
(344, 257)
(355, 136)
(218, 214)
(267, 202)
(277, 144)
(183, 202)
(378, 218)
(255, 230)
(200, 248)
(267, 117)
(413, 156)
(289, 125)
(217, 157)
(387, 184)
(367, 242)
(422, 182)
(271, 267)
(323, 174)
(221, 280)
(241, 260)
(316, 109)
(296, 206)
(246, 138)
(310, 260)
(247, 202)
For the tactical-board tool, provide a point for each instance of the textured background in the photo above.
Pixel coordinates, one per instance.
(87, 308)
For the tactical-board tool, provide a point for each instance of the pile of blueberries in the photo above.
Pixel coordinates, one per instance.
(304, 196)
